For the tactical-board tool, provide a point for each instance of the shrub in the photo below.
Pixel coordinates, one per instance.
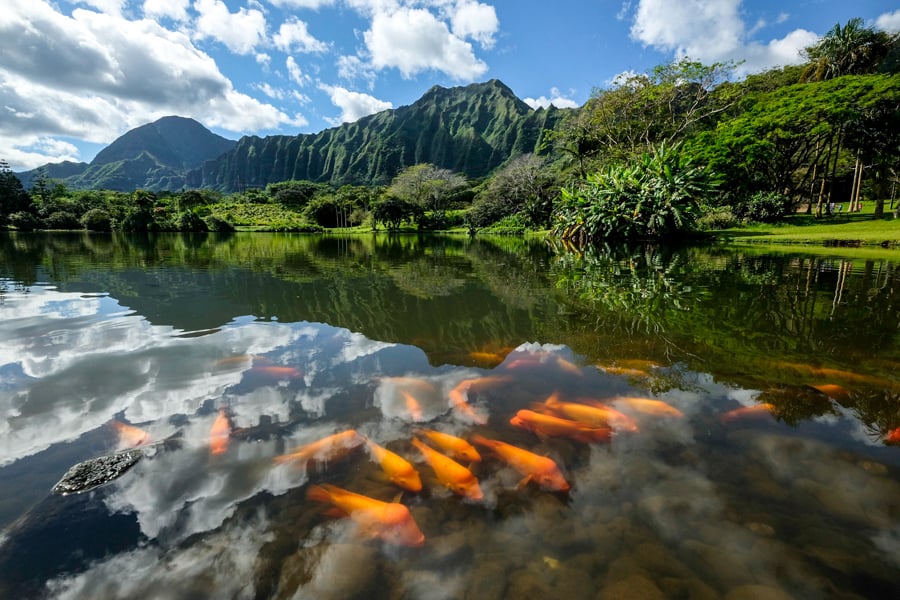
(96, 219)
(719, 218)
(25, 221)
(189, 221)
(764, 207)
(215, 223)
(62, 219)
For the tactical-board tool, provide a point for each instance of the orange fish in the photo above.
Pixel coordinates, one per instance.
(490, 359)
(461, 407)
(893, 436)
(220, 434)
(657, 408)
(450, 473)
(278, 372)
(745, 412)
(413, 406)
(130, 436)
(329, 448)
(398, 470)
(539, 358)
(422, 385)
(832, 390)
(548, 425)
(540, 469)
(389, 521)
(595, 415)
(456, 447)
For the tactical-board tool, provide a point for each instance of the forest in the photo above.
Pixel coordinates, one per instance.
(680, 150)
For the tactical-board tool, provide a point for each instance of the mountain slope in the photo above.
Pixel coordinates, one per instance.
(471, 129)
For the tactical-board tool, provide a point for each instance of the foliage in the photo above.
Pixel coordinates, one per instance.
(430, 187)
(62, 219)
(853, 49)
(392, 212)
(764, 207)
(296, 193)
(216, 223)
(524, 185)
(721, 217)
(657, 197)
(96, 219)
(13, 197)
(189, 221)
(25, 221)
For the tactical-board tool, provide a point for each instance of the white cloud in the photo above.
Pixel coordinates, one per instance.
(556, 99)
(889, 22)
(172, 9)
(353, 105)
(294, 35)
(476, 21)
(296, 75)
(352, 68)
(313, 4)
(110, 7)
(414, 40)
(240, 32)
(269, 91)
(93, 76)
(713, 32)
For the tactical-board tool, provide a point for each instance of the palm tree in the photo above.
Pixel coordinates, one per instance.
(849, 50)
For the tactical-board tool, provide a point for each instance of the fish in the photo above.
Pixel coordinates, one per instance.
(450, 473)
(490, 359)
(540, 469)
(422, 385)
(329, 448)
(539, 358)
(220, 433)
(460, 393)
(130, 436)
(832, 390)
(552, 426)
(893, 436)
(456, 447)
(389, 521)
(399, 471)
(746, 412)
(594, 414)
(412, 406)
(649, 406)
(277, 371)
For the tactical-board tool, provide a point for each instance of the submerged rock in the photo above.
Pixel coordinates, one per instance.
(94, 472)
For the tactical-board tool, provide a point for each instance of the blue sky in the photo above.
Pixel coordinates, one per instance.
(76, 74)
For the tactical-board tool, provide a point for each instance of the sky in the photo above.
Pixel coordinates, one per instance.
(77, 74)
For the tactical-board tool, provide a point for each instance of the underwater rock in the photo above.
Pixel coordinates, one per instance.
(341, 572)
(690, 587)
(487, 582)
(635, 586)
(94, 472)
(755, 592)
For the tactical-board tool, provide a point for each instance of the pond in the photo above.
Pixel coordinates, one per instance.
(259, 416)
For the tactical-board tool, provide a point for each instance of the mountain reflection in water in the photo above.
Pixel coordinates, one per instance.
(735, 460)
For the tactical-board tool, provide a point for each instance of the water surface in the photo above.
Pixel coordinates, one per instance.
(296, 338)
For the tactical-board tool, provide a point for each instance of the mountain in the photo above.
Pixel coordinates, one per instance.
(471, 130)
(156, 156)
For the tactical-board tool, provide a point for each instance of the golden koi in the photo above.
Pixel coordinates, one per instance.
(456, 447)
(450, 473)
(594, 414)
(832, 390)
(745, 412)
(220, 433)
(412, 406)
(893, 436)
(540, 469)
(649, 406)
(551, 426)
(278, 372)
(389, 521)
(398, 470)
(329, 448)
(130, 436)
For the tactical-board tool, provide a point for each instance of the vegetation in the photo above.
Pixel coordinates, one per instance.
(663, 155)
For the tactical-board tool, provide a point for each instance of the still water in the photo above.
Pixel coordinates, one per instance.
(727, 419)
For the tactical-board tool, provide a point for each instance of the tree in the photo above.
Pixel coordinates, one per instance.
(427, 186)
(849, 50)
(523, 185)
(13, 197)
(393, 212)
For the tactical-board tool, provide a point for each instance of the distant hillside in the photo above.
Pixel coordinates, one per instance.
(471, 129)
(156, 156)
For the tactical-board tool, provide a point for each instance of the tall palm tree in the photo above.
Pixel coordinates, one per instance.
(853, 49)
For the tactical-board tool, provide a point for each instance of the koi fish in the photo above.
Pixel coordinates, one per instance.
(130, 436)
(277, 372)
(398, 470)
(456, 447)
(539, 358)
(491, 359)
(595, 415)
(389, 521)
(745, 412)
(220, 434)
(549, 425)
(412, 406)
(450, 473)
(893, 436)
(459, 405)
(832, 390)
(649, 406)
(540, 469)
(329, 448)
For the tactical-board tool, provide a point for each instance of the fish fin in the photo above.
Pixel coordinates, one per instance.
(397, 498)
(523, 482)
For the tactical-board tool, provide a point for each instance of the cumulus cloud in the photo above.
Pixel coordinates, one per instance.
(414, 40)
(93, 76)
(556, 99)
(295, 73)
(711, 32)
(353, 105)
(889, 22)
(476, 21)
(240, 32)
(314, 4)
(294, 35)
(111, 7)
(171, 9)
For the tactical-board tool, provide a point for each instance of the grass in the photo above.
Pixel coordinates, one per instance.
(843, 230)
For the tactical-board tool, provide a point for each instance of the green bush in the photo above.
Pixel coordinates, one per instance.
(62, 219)
(764, 207)
(25, 221)
(96, 219)
(216, 223)
(719, 218)
(189, 221)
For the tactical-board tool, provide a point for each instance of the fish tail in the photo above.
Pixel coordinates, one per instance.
(318, 493)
